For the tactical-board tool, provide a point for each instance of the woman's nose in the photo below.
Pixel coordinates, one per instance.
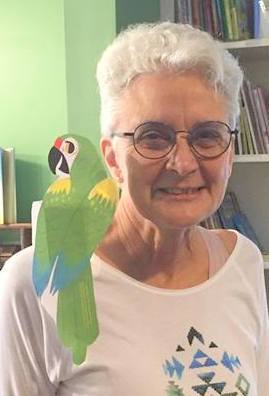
(182, 159)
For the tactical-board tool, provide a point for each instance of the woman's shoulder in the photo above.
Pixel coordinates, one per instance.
(16, 275)
(229, 239)
(241, 247)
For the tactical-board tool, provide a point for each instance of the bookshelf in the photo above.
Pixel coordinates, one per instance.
(24, 231)
(250, 177)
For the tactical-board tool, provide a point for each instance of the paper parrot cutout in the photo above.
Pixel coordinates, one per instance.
(75, 214)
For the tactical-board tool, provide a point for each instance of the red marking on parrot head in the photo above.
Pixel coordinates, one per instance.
(58, 142)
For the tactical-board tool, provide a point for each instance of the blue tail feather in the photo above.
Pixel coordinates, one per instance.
(40, 279)
(65, 274)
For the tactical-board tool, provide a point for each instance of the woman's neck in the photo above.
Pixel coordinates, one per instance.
(137, 247)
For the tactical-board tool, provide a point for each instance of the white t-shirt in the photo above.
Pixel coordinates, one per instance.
(211, 339)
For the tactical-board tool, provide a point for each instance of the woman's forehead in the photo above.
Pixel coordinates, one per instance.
(172, 99)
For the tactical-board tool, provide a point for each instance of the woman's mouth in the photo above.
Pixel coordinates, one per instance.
(181, 192)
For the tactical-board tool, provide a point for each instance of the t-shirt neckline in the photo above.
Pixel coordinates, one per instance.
(100, 265)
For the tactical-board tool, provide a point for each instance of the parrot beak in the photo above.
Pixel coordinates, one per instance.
(56, 158)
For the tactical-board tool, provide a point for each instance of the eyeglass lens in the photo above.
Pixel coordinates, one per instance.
(156, 140)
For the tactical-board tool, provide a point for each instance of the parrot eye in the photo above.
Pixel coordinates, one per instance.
(69, 147)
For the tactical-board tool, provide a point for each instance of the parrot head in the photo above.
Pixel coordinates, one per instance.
(76, 157)
(62, 155)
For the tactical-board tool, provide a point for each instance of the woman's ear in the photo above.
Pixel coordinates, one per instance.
(109, 156)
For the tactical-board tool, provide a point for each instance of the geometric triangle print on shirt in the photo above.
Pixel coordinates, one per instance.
(201, 359)
(204, 368)
(213, 345)
(180, 349)
(193, 333)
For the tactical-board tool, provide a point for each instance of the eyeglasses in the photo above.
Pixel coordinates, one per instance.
(155, 140)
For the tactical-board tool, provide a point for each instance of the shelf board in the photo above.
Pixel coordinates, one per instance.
(252, 158)
(249, 50)
(252, 43)
(16, 226)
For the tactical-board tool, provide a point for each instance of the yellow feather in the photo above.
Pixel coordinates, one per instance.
(60, 185)
(107, 190)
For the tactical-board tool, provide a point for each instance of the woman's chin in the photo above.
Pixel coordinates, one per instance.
(180, 216)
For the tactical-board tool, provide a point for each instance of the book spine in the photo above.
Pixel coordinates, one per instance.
(260, 117)
(251, 117)
(256, 13)
(214, 18)
(226, 212)
(184, 11)
(202, 15)
(178, 17)
(195, 13)
(257, 148)
(208, 17)
(254, 112)
(251, 146)
(264, 19)
(234, 20)
(221, 34)
(189, 7)
(227, 13)
(242, 20)
(263, 107)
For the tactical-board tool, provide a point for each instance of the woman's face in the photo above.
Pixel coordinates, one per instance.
(179, 190)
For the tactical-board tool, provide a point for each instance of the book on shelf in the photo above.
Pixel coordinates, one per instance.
(254, 120)
(8, 186)
(231, 216)
(228, 20)
(264, 18)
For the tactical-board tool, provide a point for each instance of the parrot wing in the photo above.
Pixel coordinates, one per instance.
(51, 225)
(76, 312)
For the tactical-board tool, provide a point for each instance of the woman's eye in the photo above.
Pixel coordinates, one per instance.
(207, 135)
(153, 135)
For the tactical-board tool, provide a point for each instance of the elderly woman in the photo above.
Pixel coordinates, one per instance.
(182, 310)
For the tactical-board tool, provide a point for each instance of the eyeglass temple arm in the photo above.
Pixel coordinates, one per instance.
(235, 132)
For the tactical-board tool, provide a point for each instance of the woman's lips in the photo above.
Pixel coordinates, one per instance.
(180, 192)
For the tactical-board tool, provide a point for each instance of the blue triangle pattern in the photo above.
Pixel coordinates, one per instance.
(196, 364)
(200, 354)
(210, 362)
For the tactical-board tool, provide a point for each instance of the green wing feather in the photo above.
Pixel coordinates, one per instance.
(76, 313)
(52, 221)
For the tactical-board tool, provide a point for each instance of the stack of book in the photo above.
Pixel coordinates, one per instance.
(6, 251)
(227, 20)
(254, 121)
(8, 206)
(231, 216)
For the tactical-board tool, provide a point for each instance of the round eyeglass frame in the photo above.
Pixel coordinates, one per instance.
(231, 132)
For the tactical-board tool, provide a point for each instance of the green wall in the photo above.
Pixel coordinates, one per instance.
(89, 28)
(33, 90)
(48, 55)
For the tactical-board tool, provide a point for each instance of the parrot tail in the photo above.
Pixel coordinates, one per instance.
(65, 273)
(76, 316)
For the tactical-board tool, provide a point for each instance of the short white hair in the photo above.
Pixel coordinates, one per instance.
(165, 46)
